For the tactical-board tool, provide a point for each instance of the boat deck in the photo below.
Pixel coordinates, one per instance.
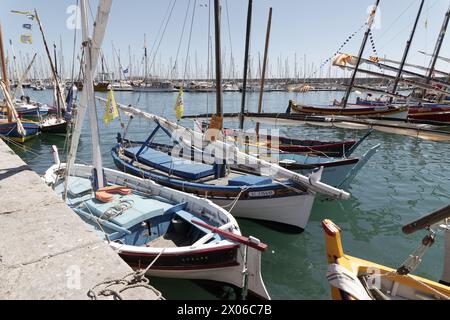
(169, 240)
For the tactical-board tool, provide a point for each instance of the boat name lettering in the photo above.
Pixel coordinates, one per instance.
(261, 193)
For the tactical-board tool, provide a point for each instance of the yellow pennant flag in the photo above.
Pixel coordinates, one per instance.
(179, 105)
(111, 111)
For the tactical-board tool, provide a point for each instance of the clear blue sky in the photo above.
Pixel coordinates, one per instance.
(312, 28)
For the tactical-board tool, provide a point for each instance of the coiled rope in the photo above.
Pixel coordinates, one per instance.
(114, 288)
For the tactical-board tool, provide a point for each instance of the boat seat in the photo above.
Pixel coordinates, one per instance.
(182, 168)
(249, 180)
(127, 211)
(79, 186)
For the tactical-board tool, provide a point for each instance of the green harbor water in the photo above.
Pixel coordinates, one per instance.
(404, 180)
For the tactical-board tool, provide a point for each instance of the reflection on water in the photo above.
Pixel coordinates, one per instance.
(404, 180)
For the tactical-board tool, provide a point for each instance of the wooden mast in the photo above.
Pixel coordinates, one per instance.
(438, 47)
(219, 94)
(264, 67)
(361, 52)
(217, 119)
(405, 54)
(91, 52)
(247, 49)
(4, 71)
(52, 66)
(58, 100)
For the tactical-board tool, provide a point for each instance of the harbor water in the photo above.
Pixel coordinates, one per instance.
(406, 179)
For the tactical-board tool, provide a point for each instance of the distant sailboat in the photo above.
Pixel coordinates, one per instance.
(11, 127)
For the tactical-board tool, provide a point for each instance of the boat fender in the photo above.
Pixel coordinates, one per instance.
(106, 194)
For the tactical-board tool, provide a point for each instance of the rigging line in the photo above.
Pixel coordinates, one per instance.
(231, 43)
(338, 51)
(190, 37)
(162, 36)
(90, 11)
(181, 38)
(208, 68)
(397, 19)
(119, 62)
(74, 46)
(158, 34)
(408, 26)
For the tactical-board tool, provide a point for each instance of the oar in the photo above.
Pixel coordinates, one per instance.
(429, 220)
(227, 234)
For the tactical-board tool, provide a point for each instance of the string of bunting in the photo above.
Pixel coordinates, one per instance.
(339, 51)
(372, 42)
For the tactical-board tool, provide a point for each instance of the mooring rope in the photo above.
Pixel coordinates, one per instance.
(132, 280)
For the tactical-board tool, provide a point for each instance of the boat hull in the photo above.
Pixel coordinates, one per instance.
(9, 130)
(290, 145)
(292, 211)
(337, 172)
(372, 112)
(221, 264)
(101, 87)
(54, 127)
(438, 114)
(274, 202)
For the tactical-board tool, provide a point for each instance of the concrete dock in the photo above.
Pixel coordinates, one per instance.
(46, 250)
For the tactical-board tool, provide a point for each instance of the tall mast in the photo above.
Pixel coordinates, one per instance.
(52, 67)
(247, 49)
(405, 54)
(129, 62)
(87, 95)
(4, 71)
(438, 47)
(88, 89)
(58, 101)
(145, 58)
(219, 95)
(361, 52)
(16, 70)
(264, 67)
(61, 60)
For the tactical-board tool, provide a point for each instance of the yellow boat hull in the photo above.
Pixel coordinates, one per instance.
(396, 286)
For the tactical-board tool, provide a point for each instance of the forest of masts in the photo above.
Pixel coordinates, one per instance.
(113, 66)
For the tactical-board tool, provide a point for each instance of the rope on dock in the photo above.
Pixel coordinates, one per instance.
(116, 287)
(132, 280)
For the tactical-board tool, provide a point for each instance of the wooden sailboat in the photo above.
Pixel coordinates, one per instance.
(341, 108)
(176, 235)
(58, 123)
(428, 101)
(11, 127)
(296, 146)
(353, 278)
